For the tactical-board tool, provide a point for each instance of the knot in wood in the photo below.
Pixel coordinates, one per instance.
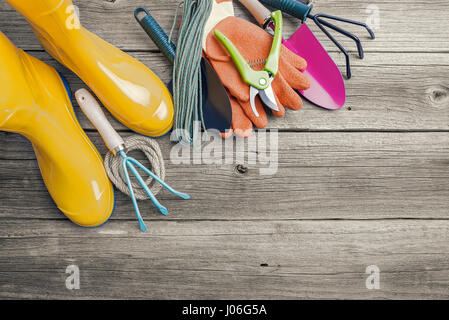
(241, 169)
(439, 94)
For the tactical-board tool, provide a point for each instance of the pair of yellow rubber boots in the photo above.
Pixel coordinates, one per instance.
(35, 102)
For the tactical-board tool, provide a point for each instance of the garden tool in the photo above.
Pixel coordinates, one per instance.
(259, 81)
(255, 45)
(129, 90)
(303, 11)
(217, 110)
(327, 88)
(35, 102)
(119, 148)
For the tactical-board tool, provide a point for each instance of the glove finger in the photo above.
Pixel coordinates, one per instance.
(287, 96)
(231, 79)
(226, 69)
(241, 124)
(295, 78)
(227, 134)
(281, 112)
(261, 121)
(292, 58)
(244, 133)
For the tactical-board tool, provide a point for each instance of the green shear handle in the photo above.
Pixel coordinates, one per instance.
(272, 65)
(257, 79)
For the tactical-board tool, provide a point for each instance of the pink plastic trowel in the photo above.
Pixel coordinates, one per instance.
(327, 86)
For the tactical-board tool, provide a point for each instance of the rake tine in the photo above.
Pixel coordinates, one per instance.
(364, 25)
(182, 195)
(345, 33)
(161, 208)
(143, 227)
(342, 49)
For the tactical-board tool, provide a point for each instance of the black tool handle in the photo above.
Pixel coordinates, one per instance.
(295, 8)
(156, 33)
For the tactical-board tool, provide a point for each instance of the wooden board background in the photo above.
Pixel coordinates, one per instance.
(367, 185)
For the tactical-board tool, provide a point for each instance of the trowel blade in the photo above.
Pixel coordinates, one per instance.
(327, 86)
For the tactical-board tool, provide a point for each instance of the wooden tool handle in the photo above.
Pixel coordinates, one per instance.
(93, 111)
(257, 9)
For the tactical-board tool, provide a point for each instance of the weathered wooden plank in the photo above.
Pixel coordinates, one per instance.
(226, 259)
(340, 201)
(320, 176)
(397, 31)
(390, 91)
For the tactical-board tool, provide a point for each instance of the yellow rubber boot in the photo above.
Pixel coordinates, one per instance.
(127, 88)
(34, 103)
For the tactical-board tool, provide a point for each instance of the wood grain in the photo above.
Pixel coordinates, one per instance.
(367, 185)
(405, 26)
(320, 176)
(225, 259)
(389, 91)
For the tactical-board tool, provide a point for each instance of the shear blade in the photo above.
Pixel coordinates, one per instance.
(253, 93)
(269, 99)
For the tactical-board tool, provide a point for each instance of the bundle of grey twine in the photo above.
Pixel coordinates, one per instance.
(187, 80)
(152, 151)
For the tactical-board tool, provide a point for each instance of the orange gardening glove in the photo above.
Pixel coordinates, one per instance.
(255, 45)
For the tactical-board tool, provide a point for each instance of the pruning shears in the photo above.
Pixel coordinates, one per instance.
(259, 81)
